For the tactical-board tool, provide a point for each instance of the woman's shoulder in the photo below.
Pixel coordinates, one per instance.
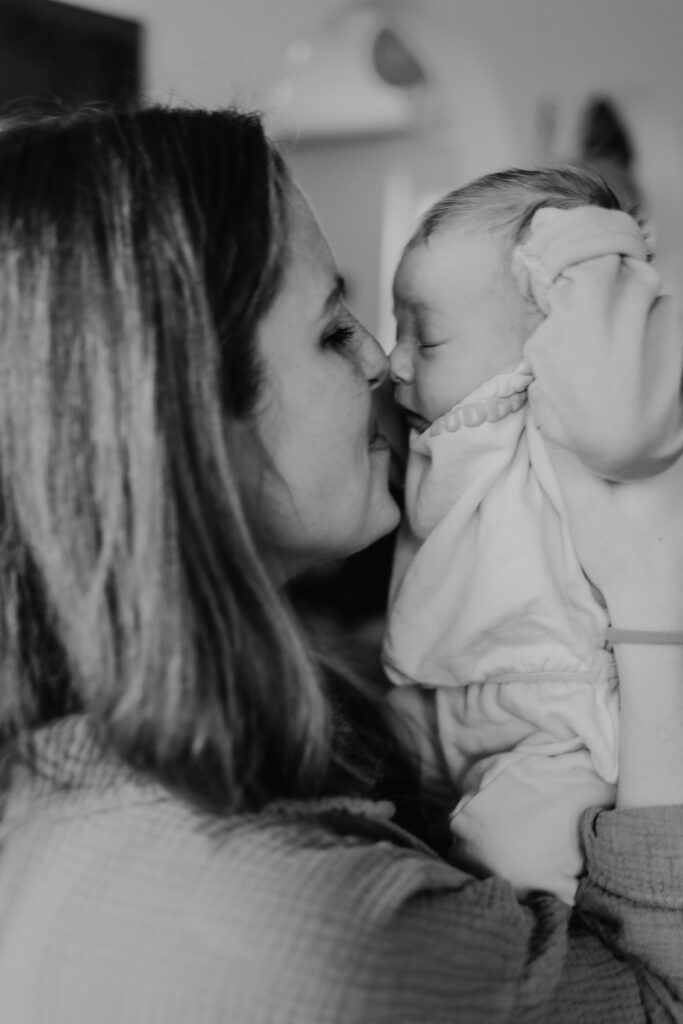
(141, 836)
(307, 911)
(291, 859)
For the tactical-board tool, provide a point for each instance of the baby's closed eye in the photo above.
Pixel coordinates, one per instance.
(427, 346)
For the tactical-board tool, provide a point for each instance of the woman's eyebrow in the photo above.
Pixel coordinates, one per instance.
(335, 296)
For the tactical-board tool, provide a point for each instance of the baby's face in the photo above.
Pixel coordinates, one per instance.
(459, 320)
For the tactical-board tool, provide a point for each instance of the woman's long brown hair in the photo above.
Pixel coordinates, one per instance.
(138, 251)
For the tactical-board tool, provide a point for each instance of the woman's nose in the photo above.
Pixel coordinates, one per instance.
(400, 364)
(373, 360)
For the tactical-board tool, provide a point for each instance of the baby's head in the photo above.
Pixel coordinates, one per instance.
(459, 313)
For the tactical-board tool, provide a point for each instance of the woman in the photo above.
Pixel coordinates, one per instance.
(185, 424)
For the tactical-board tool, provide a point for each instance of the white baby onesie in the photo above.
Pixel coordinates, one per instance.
(491, 607)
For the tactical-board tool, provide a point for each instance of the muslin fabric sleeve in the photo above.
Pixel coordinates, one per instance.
(608, 357)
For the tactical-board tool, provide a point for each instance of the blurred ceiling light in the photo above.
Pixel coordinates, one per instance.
(356, 75)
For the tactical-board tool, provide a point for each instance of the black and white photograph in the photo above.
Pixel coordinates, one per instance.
(341, 512)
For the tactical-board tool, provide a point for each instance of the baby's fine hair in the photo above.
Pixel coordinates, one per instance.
(506, 201)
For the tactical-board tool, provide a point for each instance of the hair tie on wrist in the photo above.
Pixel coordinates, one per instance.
(643, 636)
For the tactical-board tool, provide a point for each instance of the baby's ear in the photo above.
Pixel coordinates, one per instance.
(544, 217)
(531, 277)
(528, 268)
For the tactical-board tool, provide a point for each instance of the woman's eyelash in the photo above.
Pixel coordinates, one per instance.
(339, 337)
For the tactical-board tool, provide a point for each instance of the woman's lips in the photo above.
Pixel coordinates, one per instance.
(378, 442)
(376, 439)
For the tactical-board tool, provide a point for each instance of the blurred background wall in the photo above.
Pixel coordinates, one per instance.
(205, 50)
(519, 74)
(504, 82)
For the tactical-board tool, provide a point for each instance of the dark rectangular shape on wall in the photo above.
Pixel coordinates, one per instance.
(55, 52)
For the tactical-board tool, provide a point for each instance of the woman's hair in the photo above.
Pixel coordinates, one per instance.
(138, 253)
(506, 201)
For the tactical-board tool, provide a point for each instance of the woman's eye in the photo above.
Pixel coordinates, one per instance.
(339, 337)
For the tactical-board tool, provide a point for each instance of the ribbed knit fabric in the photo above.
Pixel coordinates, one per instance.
(119, 904)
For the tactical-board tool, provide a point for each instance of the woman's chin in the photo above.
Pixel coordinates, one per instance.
(384, 514)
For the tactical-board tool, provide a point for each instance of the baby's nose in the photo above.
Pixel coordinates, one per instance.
(400, 364)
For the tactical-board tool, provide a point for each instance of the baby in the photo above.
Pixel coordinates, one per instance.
(502, 302)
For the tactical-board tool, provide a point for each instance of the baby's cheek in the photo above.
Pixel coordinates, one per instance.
(437, 394)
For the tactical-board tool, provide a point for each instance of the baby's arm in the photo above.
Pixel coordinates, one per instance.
(607, 359)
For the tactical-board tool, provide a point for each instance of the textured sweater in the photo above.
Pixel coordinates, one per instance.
(119, 904)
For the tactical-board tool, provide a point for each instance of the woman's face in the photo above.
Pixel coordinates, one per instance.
(327, 493)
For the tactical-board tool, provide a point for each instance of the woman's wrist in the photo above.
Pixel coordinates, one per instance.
(650, 683)
(651, 724)
(648, 601)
